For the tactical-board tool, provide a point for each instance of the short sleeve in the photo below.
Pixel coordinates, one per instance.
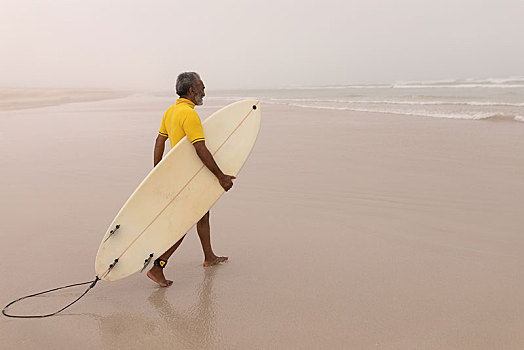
(193, 127)
(163, 129)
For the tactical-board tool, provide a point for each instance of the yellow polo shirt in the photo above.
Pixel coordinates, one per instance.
(180, 120)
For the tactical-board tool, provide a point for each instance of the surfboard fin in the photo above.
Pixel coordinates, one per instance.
(147, 261)
(112, 232)
(111, 266)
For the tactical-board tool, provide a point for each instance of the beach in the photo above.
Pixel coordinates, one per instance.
(345, 230)
(23, 98)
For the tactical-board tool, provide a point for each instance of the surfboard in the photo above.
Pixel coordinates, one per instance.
(176, 193)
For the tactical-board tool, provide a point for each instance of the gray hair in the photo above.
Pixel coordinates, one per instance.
(184, 81)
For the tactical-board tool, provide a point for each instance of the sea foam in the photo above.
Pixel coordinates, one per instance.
(418, 113)
(395, 102)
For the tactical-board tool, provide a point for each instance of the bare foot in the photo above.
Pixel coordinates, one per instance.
(157, 275)
(216, 260)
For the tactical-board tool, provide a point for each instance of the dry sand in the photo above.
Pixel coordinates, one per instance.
(344, 231)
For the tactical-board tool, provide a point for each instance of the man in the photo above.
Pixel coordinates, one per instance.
(181, 120)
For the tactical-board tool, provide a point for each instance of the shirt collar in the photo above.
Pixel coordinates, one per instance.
(186, 101)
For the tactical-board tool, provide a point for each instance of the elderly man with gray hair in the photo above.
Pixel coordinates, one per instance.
(181, 120)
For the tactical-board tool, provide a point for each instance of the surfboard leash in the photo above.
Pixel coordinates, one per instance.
(92, 284)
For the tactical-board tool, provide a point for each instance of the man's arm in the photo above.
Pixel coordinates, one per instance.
(207, 158)
(159, 149)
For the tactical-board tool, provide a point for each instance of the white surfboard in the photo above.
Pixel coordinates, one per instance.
(176, 193)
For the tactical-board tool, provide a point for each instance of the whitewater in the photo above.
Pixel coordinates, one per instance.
(470, 99)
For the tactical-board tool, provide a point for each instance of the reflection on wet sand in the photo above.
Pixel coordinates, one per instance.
(193, 327)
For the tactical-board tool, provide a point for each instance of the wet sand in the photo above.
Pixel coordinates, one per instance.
(344, 230)
(22, 98)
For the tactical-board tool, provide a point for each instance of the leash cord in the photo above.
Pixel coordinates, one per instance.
(93, 283)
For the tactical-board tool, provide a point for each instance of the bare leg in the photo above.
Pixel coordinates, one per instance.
(204, 233)
(157, 273)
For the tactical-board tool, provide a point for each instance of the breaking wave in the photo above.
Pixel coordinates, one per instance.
(494, 83)
(418, 113)
(394, 102)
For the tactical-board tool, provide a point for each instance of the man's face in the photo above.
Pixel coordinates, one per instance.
(199, 93)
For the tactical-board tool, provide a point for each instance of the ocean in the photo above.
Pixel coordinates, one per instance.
(472, 99)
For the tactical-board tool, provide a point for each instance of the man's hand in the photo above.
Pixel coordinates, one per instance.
(226, 182)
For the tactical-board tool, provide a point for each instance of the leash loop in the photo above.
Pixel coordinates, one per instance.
(92, 284)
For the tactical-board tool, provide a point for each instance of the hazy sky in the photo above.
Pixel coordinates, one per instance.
(239, 44)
